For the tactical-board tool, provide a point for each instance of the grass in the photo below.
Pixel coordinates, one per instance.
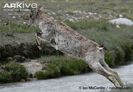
(56, 66)
(103, 7)
(12, 72)
(15, 27)
(89, 24)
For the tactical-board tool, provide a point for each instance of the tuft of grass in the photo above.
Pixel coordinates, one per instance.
(42, 75)
(13, 72)
(5, 77)
(60, 66)
(52, 71)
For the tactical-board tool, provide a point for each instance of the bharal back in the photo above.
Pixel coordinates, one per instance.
(71, 42)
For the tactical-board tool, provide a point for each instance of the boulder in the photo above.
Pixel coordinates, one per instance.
(122, 21)
(33, 66)
(19, 58)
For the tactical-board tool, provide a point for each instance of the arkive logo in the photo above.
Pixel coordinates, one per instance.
(20, 5)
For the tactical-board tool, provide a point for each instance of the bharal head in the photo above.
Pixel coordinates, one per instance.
(35, 15)
(43, 21)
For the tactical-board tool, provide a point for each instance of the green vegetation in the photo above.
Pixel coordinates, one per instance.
(17, 27)
(118, 42)
(90, 24)
(114, 7)
(12, 72)
(52, 71)
(56, 66)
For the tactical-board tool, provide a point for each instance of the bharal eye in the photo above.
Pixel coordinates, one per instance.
(39, 33)
(53, 41)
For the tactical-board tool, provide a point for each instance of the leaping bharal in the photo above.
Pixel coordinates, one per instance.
(70, 42)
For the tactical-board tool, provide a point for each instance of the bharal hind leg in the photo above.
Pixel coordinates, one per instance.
(98, 68)
(115, 74)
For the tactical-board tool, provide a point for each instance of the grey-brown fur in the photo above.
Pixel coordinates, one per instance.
(70, 42)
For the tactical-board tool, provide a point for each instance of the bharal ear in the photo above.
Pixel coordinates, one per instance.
(32, 16)
(34, 13)
(40, 8)
(39, 11)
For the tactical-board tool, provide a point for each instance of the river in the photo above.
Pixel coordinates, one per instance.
(78, 83)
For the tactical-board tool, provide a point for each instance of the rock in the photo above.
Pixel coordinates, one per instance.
(1, 70)
(14, 17)
(24, 23)
(9, 59)
(120, 15)
(122, 21)
(117, 26)
(33, 66)
(22, 80)
(67, 0)
(90, 13)
(19, 58)
(53, 13)
(52, 0)
(72, 20)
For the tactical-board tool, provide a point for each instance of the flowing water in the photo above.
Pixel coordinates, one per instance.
(78, 83)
